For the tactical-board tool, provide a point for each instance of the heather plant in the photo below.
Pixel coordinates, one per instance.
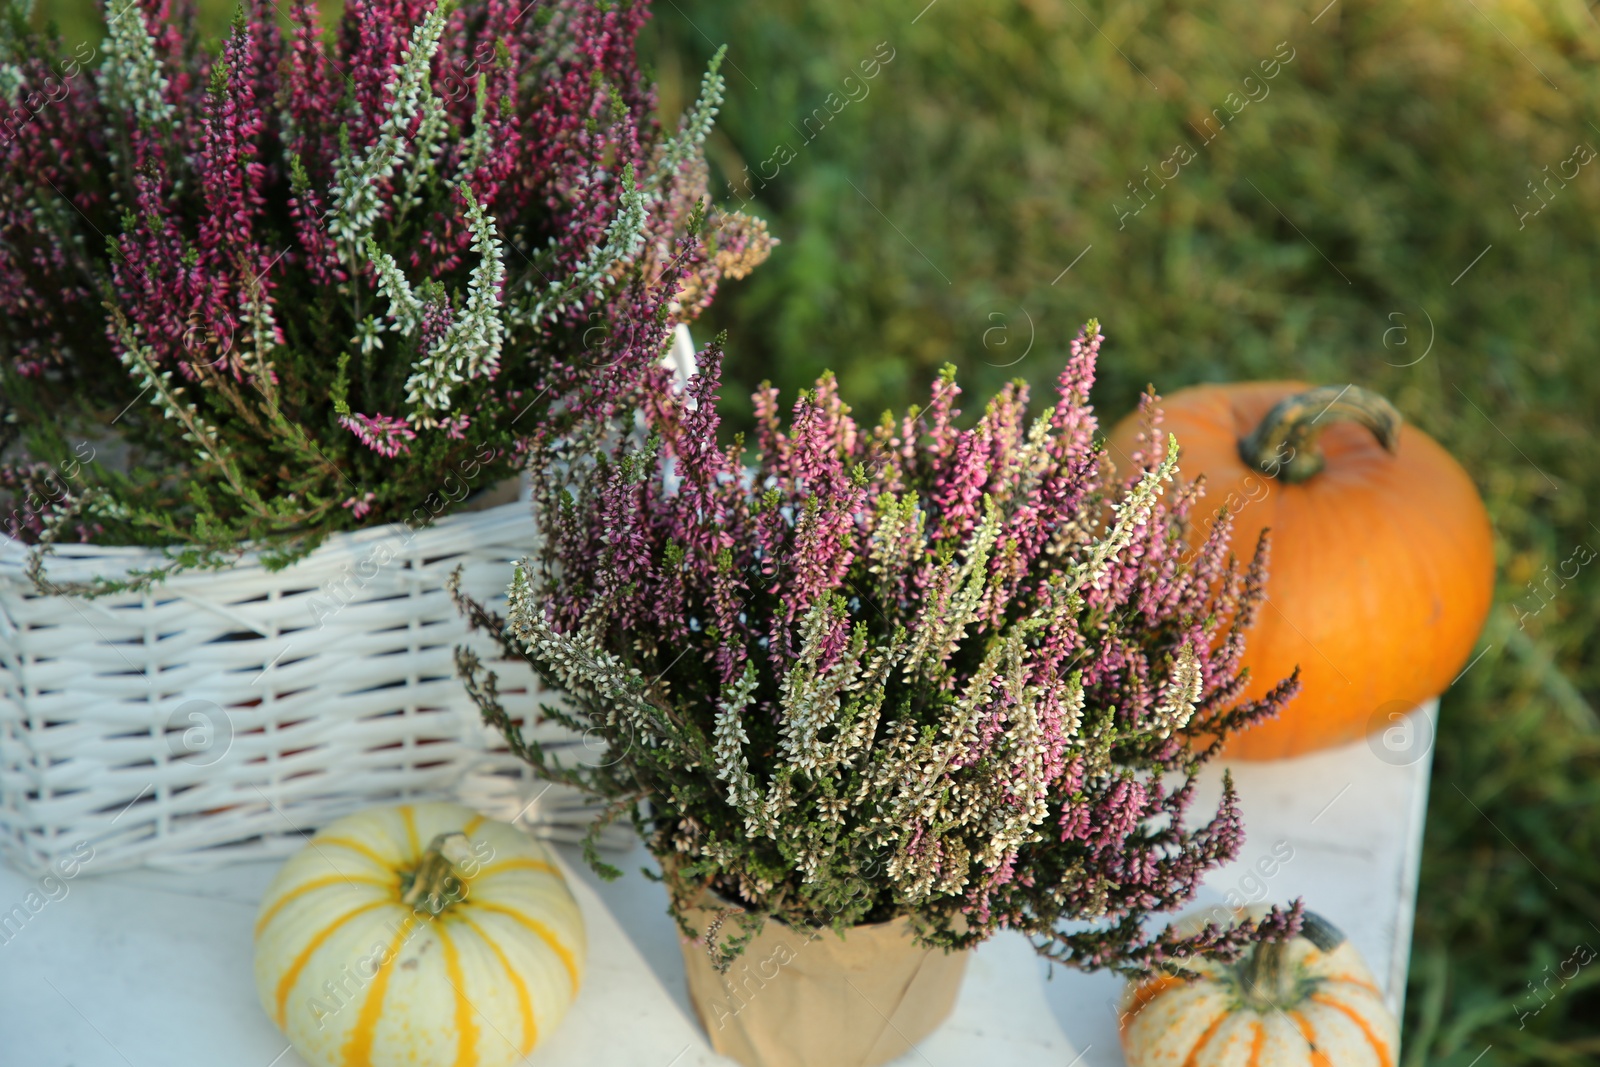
(315, 279)
(961, 675)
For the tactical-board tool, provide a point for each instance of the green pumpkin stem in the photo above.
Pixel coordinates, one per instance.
(436, 884)
(1262, 971)
(1284, 445)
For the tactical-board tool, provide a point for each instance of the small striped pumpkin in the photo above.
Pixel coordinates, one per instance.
(1306, 1002)
(418, 935)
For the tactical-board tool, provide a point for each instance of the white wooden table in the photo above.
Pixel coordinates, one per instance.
(152, 969)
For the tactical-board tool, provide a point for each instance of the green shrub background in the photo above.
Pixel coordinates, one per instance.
(1359, 221)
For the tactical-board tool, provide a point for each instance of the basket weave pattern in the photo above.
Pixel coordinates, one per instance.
(222, 714)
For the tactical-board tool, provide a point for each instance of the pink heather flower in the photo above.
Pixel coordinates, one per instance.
(384, 434)
(359, 506)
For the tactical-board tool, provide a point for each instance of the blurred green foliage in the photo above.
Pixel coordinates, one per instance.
(1379, 210)
(1356, 216)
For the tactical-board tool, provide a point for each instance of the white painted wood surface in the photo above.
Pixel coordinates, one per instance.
(143, 967)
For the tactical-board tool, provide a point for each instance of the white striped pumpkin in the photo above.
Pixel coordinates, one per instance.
(420, 935)
(1307, 1002)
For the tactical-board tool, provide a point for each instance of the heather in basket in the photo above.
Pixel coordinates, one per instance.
(845, 674)
(315, 278)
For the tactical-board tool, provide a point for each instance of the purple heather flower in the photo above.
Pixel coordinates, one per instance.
(384, 434)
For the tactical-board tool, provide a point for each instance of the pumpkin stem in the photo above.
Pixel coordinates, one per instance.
(1284, 445)
(1267, 983)
(1320, 932)
(1261, 971)
(436, 883)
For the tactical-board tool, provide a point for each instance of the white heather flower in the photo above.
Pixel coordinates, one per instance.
(355, 196)
(1132, 512)
(730, 738)
(405, 307)
(262, 337)
(1184, 690)
(832, 809)
(624, 238)
(470, 347)
(11, 80)
(778, 803)
(132, 77)
(424, 149)
(855, 737)
(695, 126)
(139, 359)
(937, 633)
(478, 144)
(578, 664)
(810, 696)
(368, 332)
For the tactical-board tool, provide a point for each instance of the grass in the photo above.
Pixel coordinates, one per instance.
(1353, 223)
(971, 203)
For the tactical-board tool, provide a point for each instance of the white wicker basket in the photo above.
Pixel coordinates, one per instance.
(223, 714)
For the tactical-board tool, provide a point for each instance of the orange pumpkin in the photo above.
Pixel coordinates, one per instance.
(1382, 566)
(1306, 1002)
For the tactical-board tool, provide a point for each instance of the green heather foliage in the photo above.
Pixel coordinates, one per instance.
(1398, 143)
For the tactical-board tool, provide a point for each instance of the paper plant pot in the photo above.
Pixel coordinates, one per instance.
(809, 998)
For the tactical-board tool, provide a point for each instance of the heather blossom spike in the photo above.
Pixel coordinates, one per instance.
(961, 674)
(384, 434)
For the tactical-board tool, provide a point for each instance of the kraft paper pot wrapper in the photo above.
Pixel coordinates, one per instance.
(809, 998)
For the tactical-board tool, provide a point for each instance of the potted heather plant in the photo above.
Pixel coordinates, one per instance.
(308, 279)
(912, 684)
(294, 298)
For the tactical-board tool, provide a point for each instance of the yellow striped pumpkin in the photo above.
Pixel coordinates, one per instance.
(1306, 1002)
(420, 935)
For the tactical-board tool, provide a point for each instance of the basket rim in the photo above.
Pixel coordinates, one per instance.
(80, 562)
